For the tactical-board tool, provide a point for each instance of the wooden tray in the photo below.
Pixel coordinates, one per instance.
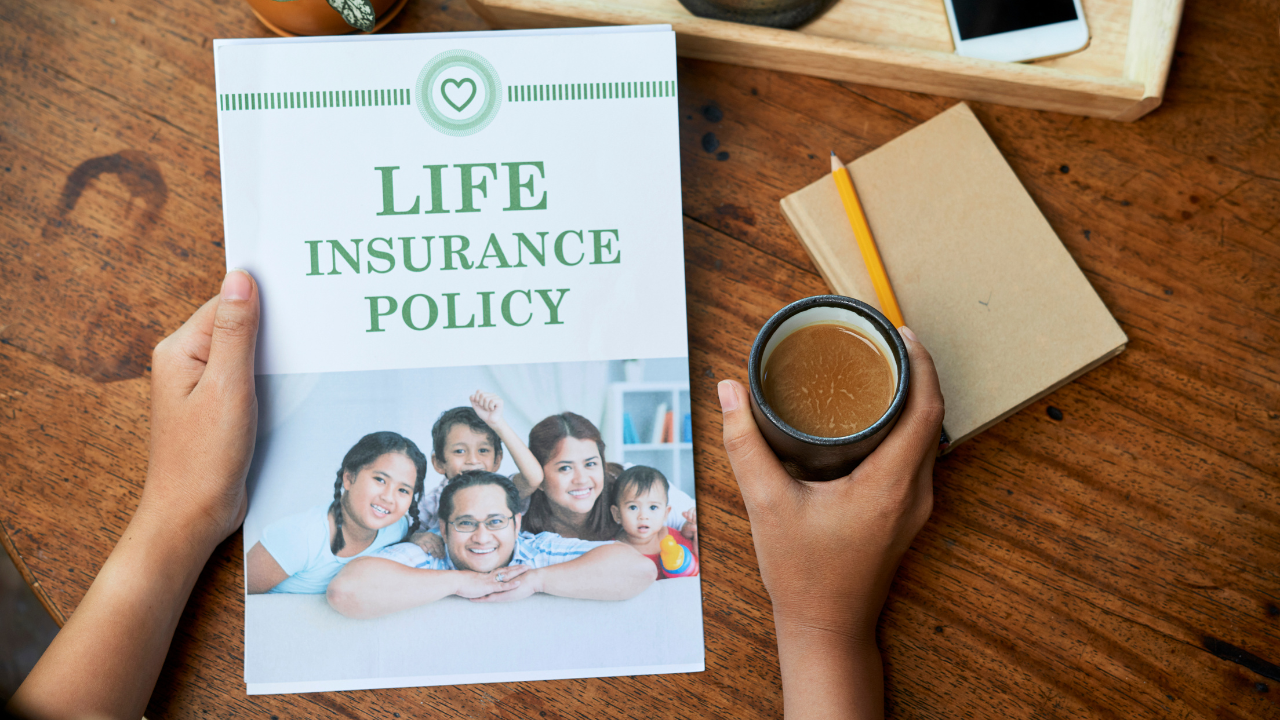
(906, 44)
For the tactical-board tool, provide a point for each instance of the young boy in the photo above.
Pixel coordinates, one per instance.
(471, 438)
(639, 503)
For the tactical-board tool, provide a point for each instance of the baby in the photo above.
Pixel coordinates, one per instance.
(639, 503)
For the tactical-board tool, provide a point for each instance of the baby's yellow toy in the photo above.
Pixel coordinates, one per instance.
(677, 560)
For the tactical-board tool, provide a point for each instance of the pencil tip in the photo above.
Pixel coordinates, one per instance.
(835, 162)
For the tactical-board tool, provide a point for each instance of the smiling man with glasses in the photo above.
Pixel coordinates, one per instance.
(488, 559)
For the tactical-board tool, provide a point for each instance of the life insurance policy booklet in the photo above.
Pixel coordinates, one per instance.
(428, 216)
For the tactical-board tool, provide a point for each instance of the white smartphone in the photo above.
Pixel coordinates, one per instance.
(1017, 30)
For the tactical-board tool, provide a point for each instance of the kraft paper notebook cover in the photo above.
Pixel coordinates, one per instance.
(982, 278)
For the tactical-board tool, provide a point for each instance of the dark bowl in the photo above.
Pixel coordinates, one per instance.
(809, 457)
(769, 13)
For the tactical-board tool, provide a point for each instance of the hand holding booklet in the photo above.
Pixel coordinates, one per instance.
(459, 239)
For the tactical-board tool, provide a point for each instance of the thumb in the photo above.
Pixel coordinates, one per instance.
(235, 331)
(915, 437)
(757, 469)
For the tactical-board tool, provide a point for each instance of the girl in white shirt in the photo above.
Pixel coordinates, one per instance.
(379, 481)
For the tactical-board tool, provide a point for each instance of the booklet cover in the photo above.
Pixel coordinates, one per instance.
(470, 255)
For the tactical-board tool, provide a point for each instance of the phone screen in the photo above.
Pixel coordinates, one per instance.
(979, 18)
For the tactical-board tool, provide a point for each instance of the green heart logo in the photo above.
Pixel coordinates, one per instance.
(458, 92)
(444, 92)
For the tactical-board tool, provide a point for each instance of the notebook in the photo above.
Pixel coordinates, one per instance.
(449, 257)
(981, 277)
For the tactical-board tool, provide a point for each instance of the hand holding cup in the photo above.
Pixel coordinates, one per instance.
(828, 550)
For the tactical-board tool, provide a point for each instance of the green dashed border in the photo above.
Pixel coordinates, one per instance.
(625, 90)
(374, 97)
(390, 97)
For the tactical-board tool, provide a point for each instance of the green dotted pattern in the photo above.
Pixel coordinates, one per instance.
(592, 91)
(315, 99)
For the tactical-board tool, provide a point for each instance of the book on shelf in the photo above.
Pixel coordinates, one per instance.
(657, 435)
(668, 420)
(428, 216)
(686, 428)
(629, 436)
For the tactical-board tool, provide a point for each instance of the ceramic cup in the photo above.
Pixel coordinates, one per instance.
(809, 457)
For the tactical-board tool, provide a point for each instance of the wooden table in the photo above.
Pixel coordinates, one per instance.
(1122, 562)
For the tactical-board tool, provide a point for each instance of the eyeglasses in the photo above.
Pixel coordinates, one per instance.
(492, 523)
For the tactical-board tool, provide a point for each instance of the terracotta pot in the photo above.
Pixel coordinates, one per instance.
(315, 17)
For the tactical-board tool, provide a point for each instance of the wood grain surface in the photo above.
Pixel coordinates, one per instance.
(1121, 562)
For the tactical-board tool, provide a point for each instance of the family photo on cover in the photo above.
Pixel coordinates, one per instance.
(390, 491)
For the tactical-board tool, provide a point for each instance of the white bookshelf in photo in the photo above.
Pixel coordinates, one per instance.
(641, 401)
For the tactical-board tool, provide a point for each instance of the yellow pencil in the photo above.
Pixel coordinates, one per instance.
(866, 243)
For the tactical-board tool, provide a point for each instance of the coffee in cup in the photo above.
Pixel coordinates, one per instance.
(829, 377)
